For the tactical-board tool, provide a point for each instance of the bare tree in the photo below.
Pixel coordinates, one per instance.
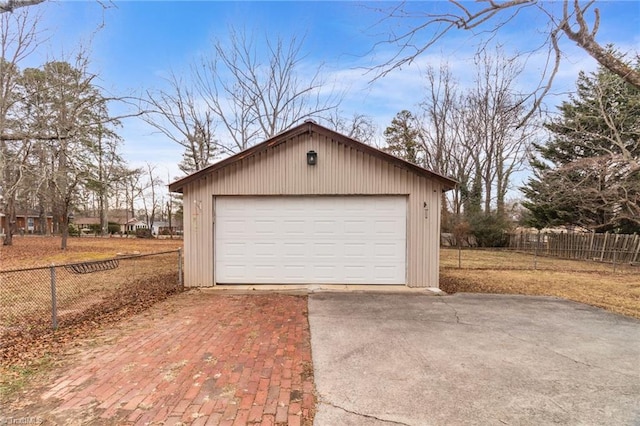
(488, 17)
(359, 126)
(131, 183)
(108, 164)
(177, 114)
(12, 5)
(64, 102)
(256, 90)
(151, 202)
(494, 119)
(474, 136)
(442, 139)
(18, 39)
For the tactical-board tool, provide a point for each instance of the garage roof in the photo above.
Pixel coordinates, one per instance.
(312, 127)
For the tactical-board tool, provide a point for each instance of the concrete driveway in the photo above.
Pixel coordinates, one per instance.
(409, 359)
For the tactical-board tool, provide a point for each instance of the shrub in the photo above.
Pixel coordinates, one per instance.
(143, 233)
(113, 228)
(74, 231)
(490, 230)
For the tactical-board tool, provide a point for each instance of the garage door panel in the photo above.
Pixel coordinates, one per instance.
(355, 251)
(325, 273)
(387, 226)
(355, 227)
(332, 240)
(294, 250)
(264, 250)
(293, 227)
(326, 227)
(235, 250)
(233, 228)
(386, 250)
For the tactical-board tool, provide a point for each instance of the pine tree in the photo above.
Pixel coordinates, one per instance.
(588, 174)
(402, 137)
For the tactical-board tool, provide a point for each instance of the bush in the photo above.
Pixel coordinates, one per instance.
(143, 233)
(113, 228)
(74, 231)
(490, 230)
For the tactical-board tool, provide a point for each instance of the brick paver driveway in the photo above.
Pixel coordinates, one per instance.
(199, 358)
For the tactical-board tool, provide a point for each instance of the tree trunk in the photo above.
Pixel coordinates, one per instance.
(64, 224)
(10, 220)
(104, 224)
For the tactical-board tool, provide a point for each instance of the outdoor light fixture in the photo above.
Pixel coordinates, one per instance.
(312, 158)
(70, 217)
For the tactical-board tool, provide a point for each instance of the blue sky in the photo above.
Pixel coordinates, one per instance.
(141, 41)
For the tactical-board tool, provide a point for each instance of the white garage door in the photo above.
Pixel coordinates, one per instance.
(310, 240)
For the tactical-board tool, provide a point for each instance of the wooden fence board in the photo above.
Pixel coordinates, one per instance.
(621, 248)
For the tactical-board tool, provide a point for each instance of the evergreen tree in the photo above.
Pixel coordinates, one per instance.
(588, 174)
(402, 137)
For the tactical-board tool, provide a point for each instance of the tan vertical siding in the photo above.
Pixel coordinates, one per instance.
(341, 170)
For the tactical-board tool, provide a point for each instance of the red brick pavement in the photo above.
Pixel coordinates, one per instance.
(201, 359)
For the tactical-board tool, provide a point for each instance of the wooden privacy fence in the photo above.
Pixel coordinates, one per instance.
(616, 248)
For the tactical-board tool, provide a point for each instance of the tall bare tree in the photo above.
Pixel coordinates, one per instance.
(151, 202)
(179, 114)
(13, 5)
(577, 20)
(442, 139)
(102, 148)
(475, 136)
(495, 121)
(360, 127)
(68, 107)
(256, 89)
(18, 40)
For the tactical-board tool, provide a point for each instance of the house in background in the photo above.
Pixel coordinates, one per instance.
(28, 222)
(88, 225)
(85, 224)
(134, 224)
(163, 228)
(312, 206)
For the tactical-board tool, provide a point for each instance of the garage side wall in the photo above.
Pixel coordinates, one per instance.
(341, 170)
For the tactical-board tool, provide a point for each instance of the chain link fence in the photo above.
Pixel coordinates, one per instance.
(35, 300)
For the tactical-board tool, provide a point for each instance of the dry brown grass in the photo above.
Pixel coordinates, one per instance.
(25, 295)
(33, 251)
(512, 273)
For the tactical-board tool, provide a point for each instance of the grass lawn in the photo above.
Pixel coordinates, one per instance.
(485, 271)
(33, 251)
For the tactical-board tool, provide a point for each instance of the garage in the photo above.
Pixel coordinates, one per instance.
(310, 240)
(312, 206)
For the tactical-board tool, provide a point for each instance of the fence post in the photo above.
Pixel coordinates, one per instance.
(180, 283)
(535, 253)
(614, 259)
(54, 309)
(604, 246)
